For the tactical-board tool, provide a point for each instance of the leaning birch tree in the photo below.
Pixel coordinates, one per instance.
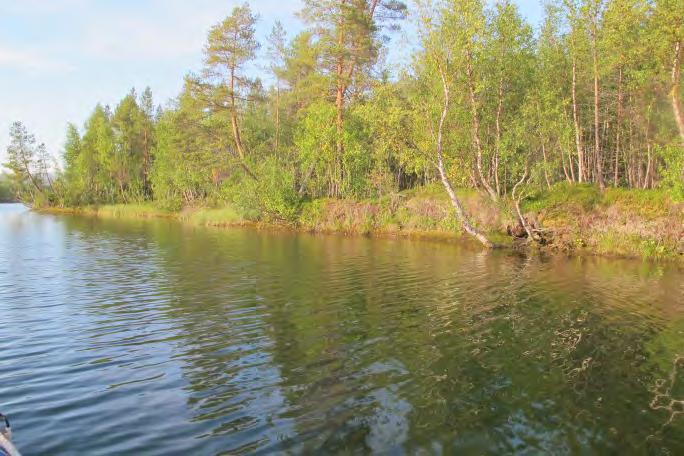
(441, 61)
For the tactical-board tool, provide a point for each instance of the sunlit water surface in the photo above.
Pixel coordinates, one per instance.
(156, 338)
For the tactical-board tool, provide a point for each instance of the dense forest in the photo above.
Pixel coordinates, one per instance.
(5, 189)
(488, 102)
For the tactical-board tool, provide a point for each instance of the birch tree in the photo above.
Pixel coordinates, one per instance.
(444, 47)
(669, 23)
(593, 14)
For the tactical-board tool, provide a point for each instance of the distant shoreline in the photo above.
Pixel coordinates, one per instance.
(624, 224)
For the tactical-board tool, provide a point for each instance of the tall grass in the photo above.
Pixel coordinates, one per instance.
(142, 210)
(224, 216)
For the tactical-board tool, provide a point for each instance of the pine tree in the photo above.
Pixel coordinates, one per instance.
(347, 33)
(277, 52)
(231, 45)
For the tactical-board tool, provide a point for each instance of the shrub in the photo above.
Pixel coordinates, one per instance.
(270, 198)
(672, 171)
(225, 215)
(565, 195)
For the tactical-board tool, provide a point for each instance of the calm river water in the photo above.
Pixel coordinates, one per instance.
(157, 338)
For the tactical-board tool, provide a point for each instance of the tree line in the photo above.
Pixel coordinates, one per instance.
(488, 102)
(6, 194)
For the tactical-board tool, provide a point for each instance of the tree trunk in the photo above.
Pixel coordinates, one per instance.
(516, 202)
(618, 126)
(305, 180)
(571, 165)
(629, 159)
(236, 128)
(147, 163)
(597, 123)
(277, 116)
(339, 145)
(476, 127)
(497, 153)
(455, 202)
(546, 166)
(647, 175)
(674, 94)
(344, 79)
(340, 90)
(565, 168)
(575, 118)
(32, 179)
(233, 117)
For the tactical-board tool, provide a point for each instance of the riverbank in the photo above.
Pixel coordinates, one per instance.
(581, 219)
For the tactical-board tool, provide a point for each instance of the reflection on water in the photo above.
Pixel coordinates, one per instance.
(151, 337)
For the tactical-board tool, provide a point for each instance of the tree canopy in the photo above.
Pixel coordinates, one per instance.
(487, 102)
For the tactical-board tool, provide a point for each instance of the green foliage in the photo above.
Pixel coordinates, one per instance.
(111, 161)
(672, 170)
(96, 157)
(339, 140)
(132, 145)
(311, 213)
(190, 156)
(315, 139)
(223, 216)
(388, 120)
(566, 197)
(28, 163)
(231, 43)
(338, 124)
(648, 204)
(6, 191)
(271, 198)
(634, 245)
(141, 210)
(581, 198)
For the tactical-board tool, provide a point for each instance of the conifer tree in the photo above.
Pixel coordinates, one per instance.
(231, 45)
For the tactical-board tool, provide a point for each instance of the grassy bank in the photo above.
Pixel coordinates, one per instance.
(582, 220)
(620, 222)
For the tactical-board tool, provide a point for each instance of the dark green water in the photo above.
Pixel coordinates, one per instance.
(150, 337)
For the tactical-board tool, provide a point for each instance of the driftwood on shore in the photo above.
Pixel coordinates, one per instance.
(530, 231)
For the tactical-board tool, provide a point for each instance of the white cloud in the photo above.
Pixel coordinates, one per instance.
(26, 60)
(60, 57)
(33, 7)
(133, 40)
(164, 30)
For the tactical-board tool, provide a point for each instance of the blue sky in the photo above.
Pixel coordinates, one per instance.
(58, 58)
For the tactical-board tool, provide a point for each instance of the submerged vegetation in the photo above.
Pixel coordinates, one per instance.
(571, 135)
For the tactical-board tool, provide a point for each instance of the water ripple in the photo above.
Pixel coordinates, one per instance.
(149, 337)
